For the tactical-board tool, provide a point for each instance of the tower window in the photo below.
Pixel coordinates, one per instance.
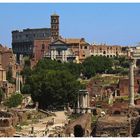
(43, 46)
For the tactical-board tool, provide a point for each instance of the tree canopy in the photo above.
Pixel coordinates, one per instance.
(96, 64)
(53, 83)
(53, 87)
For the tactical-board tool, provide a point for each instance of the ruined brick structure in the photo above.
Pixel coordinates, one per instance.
(115, 126)
(124, 86)
(6, 128)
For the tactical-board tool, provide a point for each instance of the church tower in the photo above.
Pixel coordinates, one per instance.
(55, 26)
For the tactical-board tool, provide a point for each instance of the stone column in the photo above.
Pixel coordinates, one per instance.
(63, 57)
(83, 104)
(86, 101)
(131, 86)
(78, 105)
(83, 101)
(54, 54)
(17, 82)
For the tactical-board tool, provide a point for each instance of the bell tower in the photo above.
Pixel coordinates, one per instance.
(55, 26)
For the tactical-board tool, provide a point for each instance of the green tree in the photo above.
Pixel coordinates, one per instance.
(14, 100)
(97, 64)
(54, 87)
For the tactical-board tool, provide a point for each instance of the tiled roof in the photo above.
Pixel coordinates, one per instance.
(74, 40)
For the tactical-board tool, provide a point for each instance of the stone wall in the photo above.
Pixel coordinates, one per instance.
(124, 86)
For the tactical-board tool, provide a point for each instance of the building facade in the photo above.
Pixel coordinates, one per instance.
(105, 50)
(41, 47)
(60, 51)
(79, 47)
(23, 41)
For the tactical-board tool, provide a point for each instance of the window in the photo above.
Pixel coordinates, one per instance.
(44, 34)
(85, 47)
(59, 52)
(43, 46)
(104, 52)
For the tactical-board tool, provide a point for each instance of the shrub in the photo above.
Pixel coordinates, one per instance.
(14, 100)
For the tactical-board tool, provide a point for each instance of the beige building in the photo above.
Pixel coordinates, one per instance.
(105, 50)
(2, 71)
(79, 47)
(7, 61)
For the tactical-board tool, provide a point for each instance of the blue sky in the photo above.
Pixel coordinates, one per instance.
(101, 23)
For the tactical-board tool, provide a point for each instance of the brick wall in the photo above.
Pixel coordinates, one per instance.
(40, 47)
(124, 86)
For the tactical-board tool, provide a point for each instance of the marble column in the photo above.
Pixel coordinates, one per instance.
(86, 101)
(83, 101)
(51, 54)
(18, 83)
(78, 105)
(83, 111)
(54, 53)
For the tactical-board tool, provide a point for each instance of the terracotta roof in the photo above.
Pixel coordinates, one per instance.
(70, 40)
(74, 40)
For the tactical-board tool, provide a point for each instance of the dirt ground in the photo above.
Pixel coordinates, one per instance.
(40, 127)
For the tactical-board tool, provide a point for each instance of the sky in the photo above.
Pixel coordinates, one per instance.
(110, 23)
